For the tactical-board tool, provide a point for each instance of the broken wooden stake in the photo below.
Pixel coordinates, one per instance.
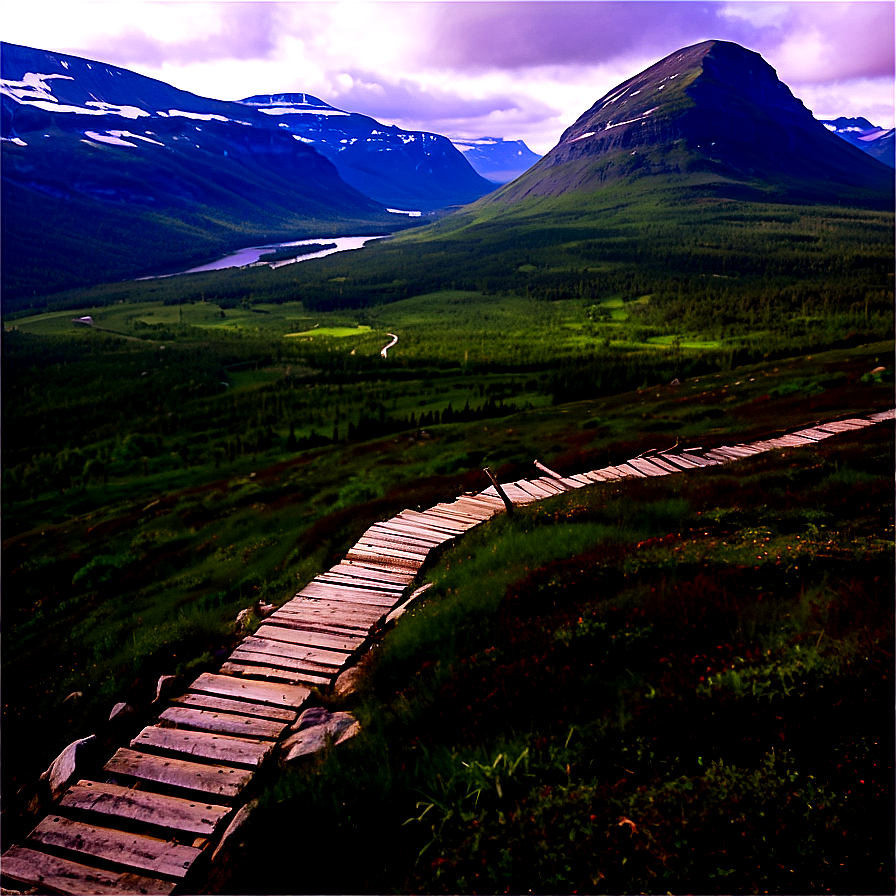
(501, 493)
(544, 469)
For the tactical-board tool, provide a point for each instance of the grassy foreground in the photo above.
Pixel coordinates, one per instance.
(671, 685)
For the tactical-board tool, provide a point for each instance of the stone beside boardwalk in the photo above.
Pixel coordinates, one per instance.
(152, 823)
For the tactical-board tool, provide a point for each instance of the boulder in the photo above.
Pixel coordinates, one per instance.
(315, 729)
(63, 768)
(347, 681)
(120, 712)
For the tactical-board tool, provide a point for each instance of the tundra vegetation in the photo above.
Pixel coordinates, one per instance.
(681, 683)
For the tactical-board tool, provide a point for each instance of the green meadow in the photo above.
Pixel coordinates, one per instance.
(209, 440)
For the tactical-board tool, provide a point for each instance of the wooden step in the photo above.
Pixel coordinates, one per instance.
(256, 692)
(114, 802)
(46, 872)
(331, 591)
(239, 707)
(247, 656)
(272, 674)
(221, 723)
(298, 636)
(324, 656)
(211, 780)
(219, 748)
(136, 852)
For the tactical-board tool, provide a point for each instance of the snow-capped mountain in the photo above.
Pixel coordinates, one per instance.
(497, 159)
(408, 169)
(96, 157)
(877, 142)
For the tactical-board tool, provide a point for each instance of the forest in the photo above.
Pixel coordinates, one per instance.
(207, 440)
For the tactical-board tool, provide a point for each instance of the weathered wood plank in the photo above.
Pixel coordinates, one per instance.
(607, 474)
(272, 674)
(247, 657)
(626, 470)
(645, 466)
(218, 781)
(663, 464)
(680, 462)
(377, 577)
(344, 642)
(256, 692)
(331, 591)
(137, 852)
(392, 548)
(377, 531)
(531, 489)
(238, 707)
(883, 416)
(407, 529)
(214, 747)
(221, 722)
(331, 625)
(363, 553)
(699, 459)
(814, 433)
(373, 566)
(348, 610)
(47, 872)
(356, 581)
(431, 521)
(324, 656)
(112, 801)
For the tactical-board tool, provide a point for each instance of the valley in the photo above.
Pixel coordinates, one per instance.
(592, 689)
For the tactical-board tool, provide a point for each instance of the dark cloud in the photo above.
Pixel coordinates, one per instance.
(517, 35)
(404, 99)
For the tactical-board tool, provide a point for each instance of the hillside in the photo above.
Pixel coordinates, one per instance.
(713, 117)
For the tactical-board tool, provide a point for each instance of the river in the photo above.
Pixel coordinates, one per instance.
(251, 254)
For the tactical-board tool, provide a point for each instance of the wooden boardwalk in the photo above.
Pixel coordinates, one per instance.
(166, 799)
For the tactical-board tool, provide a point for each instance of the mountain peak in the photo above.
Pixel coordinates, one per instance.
(711, 113)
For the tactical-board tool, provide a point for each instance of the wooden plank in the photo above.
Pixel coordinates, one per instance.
(333, 625)
(814, 433)
(607, 474)
(882, 416)
(346, 578)
(256, 692)
(373, 566)
(681, 462)
(370, 554)
(136, 851)
(221, 722)
(47, 872)
(202, 745)
(379, 578)
(699, 459)
(330, 591)
(215, 780)
(663, 464)
(431, 521)
(400, 538)
(325, 656)
(422, 533)
(247, 657)
(530, 489)
(627, 470)
(346, 609)
(272, 674)
(392, 548)
(645, 466)
(112, 801)
(346, 642)
(239, 707)
(550, 484)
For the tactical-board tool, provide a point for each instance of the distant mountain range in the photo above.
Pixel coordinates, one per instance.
(715, 115)
(111, 174)
(108, 174)
(877, 142)
(497, 159)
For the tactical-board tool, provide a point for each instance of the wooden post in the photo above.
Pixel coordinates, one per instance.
(544, 469)
(501, 493)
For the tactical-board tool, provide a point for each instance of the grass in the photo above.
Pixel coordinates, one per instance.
(656, 685)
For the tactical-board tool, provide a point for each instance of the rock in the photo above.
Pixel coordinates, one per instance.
(242, 618)
(120, 712)
(62, 769)
(228, 838)
(162, 685)
(315, 729)
(347, 681)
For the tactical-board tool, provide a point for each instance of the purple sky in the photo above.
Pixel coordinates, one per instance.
(520, 70)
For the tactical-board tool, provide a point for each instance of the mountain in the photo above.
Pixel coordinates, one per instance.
(877, 142)
(96, 158)
(497, 159)
(714, 116)
(406, 169)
